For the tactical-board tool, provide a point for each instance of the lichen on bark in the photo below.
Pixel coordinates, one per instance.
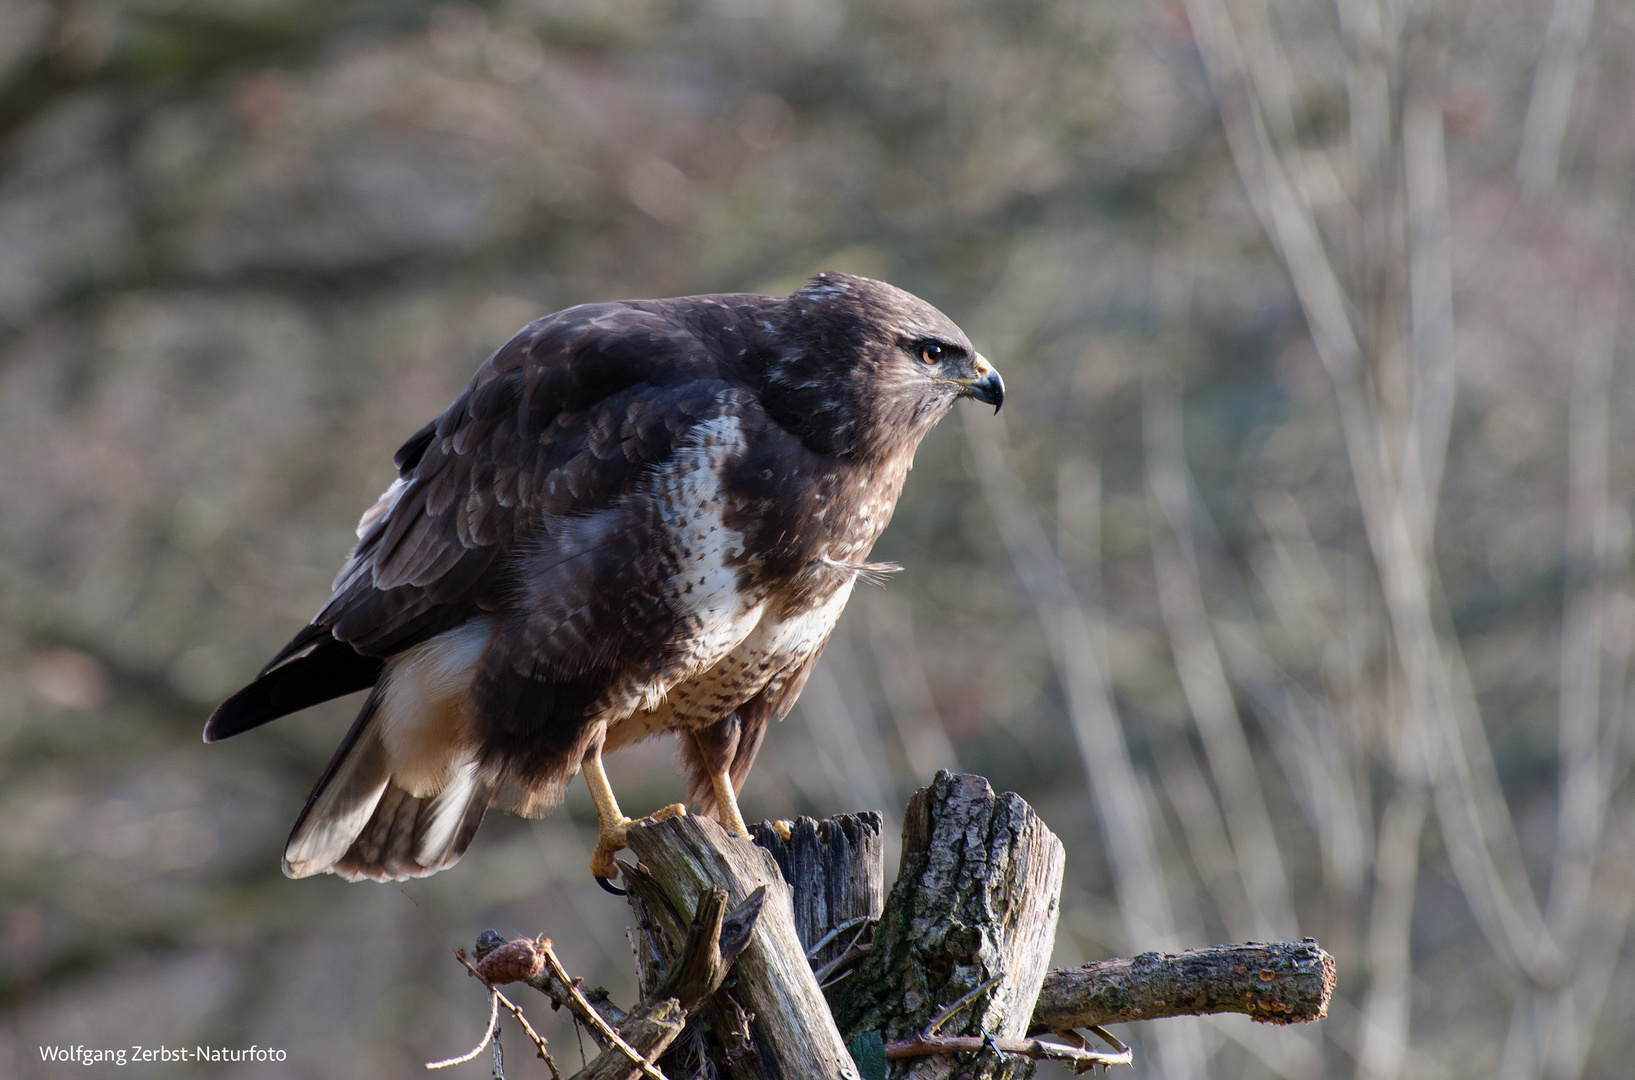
(975, 900)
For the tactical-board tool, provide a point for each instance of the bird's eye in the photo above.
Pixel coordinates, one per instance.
(931, 354)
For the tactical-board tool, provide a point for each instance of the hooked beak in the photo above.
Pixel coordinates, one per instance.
(987, 387)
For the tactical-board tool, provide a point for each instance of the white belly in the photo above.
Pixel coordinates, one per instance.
(705, 590)
(774, 648)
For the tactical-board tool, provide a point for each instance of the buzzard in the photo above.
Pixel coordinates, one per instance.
(639, 517)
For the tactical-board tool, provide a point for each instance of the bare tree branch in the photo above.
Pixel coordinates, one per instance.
(1550, 105)
(635, 1040)
(1440, 705)
(1197, 660)
(1277, 983)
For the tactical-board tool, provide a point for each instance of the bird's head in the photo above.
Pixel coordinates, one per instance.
(858, 366)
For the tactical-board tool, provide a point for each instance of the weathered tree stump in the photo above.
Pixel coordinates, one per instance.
(973, 911)
(952, 984)
(791, 1035)
(836, 874)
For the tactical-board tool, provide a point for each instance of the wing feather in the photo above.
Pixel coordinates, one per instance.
(409, 454)
(559, 423)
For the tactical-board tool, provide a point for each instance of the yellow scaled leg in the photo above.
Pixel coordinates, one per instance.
(726, 805)
(612, 825)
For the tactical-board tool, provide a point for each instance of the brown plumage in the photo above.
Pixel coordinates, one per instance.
(638, 517)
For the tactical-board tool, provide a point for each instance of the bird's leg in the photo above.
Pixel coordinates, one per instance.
(611, 824)
(726, 804)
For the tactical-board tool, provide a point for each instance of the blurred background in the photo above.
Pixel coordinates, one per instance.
(1292, 587)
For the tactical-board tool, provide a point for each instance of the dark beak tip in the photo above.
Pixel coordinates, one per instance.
(990, 390)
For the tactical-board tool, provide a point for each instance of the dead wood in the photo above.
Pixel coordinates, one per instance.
(836, 874)
(714, 942)
(501, 962)
(1277, 983)
(953, 981)
(973, 913)
(773, 1021)
(633, 1041)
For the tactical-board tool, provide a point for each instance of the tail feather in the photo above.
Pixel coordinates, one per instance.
(412, 837)
(343, 800)
(359, 824)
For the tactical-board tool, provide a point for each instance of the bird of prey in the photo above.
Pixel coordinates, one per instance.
(639, 517)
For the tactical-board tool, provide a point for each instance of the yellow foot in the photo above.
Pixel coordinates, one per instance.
(611, 835)
(784, 829)
(726, 805)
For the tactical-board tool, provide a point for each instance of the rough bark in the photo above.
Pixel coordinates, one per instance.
(975, 903)
(649, 1029)
(775, 999)
(836, 874)
(1277, 983)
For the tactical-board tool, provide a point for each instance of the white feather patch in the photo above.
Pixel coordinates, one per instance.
(420, 721)
(383, 505)
(442, 817)
(341, 811)
(798, 635)
(776, 647)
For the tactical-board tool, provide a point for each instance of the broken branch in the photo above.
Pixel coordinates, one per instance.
(1276, 983)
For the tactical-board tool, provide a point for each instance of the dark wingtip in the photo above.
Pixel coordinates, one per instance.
(329, 669)
(310, 636)
(213, 732)
(244, 710)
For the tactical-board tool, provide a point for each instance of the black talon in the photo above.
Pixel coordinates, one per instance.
(608, 886)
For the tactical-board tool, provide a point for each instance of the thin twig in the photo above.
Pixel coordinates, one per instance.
(826, 975)
(851, 954)
(493, 1022)
(811, 954)
(591, 1017)
(511, 1007)
(1038, 1049)
(1550, 104)
(964, 999)
(1107, 1037)
(927, 1041)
